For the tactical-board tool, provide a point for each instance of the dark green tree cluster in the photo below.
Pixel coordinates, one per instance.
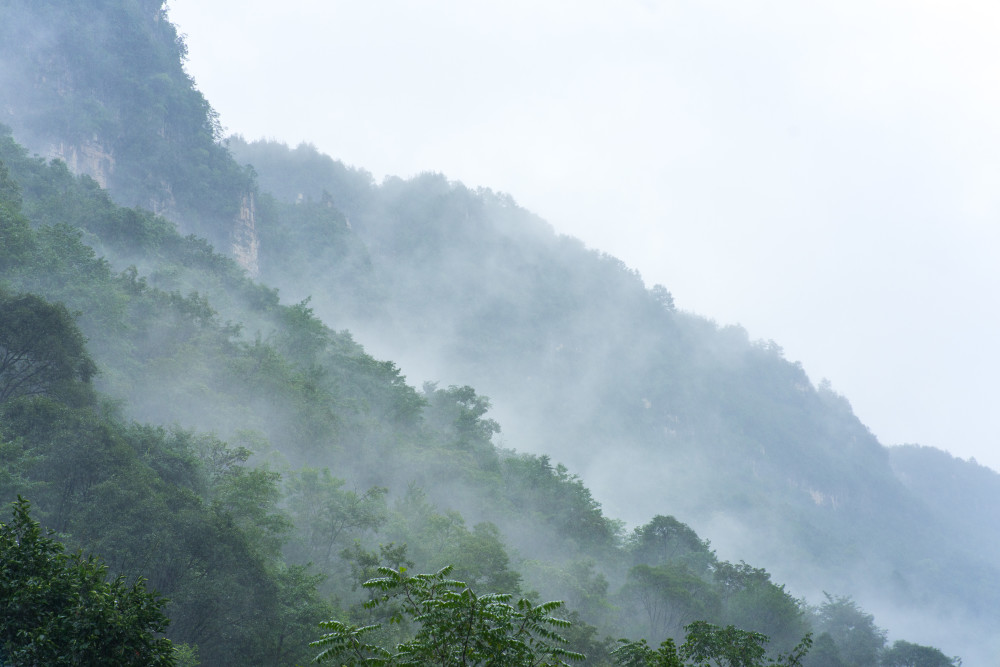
(61, 609)
(41, 350)
(197, 522)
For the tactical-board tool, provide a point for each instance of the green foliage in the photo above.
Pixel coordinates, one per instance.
(41, 350)
(463, 412)
(906, 654)
(179, 509)
(437, 539)
(751, 601)
(854, 633)
(327, 515)
(220, 541)
(304, 174)
(105, 82)
(641, 654)
(296, 237)
(465, 280)
(10, 191)
(708, 645)
(584, 586)
(250, 495)
(824, 653)
(455, 626)
(671, 596)
(726, 647)
(534, 486)
(15, 235)
(731, 647)
(702, 419)
(58, 608)
(666, 540)
(186, 655)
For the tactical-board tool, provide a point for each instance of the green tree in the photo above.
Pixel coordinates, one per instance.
(437, 539)
(858, 640)
(455, 627)
(666, 540)
(329, 516)
(10, 191)
(751, 601)
(671, 595)
(663, 297)
(905, 654)
(709, 645)
(824, 653)
(59, 609)
(41, 350)
(15, 233)
(641, 654)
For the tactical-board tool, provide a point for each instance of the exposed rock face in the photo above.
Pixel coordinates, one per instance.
(164, 204)
(90, 158)
(245, 243)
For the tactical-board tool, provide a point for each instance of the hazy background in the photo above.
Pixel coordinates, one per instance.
(826, 174)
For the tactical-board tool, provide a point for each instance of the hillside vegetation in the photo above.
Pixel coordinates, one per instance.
(233, 433)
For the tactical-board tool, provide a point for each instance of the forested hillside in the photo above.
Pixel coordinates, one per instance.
(654, 407)
(278, 468)
(101, 85)
(233, 442)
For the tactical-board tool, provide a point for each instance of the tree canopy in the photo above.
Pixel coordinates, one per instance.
(60, 609)
(41, 349)
(455, 627)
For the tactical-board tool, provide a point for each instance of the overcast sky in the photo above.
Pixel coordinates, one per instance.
(825, 173)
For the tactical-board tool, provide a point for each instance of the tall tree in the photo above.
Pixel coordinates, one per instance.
(906, 654)
(59, 609)
(857, 638)
(455, 627)
(41, 350)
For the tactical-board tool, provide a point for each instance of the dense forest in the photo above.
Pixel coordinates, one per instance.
(196, 398)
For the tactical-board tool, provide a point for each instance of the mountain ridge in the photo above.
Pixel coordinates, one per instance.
(580, 360)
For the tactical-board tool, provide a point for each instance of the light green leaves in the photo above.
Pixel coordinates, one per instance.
(454, 627)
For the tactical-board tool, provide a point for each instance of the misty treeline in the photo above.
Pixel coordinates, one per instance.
(653, 407)
(247, 457)
(293, 465)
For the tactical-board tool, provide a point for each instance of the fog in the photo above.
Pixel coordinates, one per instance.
(685, 152)
(825, 177)
(825, 174)
(658, 411)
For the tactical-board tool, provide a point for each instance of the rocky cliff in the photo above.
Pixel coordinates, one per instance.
(245, 246)
(91, 158)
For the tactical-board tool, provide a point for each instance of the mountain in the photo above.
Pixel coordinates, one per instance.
(101, 86)
(655, 408)
(243, 415)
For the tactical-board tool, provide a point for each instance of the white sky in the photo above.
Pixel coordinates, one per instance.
(824, 172)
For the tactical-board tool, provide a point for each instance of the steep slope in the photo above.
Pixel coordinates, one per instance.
(228, 541)
(963, 494)
(656, 408)
(101, 86)
(661, 411)
(249, 535)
